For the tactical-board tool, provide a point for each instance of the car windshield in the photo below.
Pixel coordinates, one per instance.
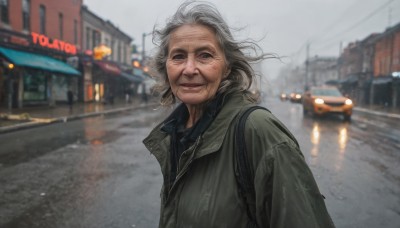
(326, 92)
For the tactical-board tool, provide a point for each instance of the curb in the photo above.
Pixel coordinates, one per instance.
(64, 119)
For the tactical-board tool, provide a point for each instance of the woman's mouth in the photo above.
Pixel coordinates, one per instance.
(191, 85)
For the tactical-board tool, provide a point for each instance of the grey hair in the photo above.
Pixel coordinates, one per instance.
(241, 73)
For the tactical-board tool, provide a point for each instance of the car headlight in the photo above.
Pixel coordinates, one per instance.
(298, 96)
(318, 101)
(348, 102)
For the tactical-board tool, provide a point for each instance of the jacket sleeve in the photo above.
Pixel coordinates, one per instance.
(286, 193)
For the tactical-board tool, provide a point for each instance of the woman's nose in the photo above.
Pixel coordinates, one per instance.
(190, 67)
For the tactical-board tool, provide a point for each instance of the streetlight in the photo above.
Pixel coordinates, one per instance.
(9, 67)
(143, 46)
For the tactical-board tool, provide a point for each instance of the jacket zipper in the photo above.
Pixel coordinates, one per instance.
(183, 170)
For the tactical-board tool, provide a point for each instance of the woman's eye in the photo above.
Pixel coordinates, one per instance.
(205, 55)
(178, 57)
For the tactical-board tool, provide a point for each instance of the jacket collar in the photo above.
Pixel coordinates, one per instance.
(158, 142)
(213, 137)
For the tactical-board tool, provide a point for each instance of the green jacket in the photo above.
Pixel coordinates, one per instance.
(205, 192)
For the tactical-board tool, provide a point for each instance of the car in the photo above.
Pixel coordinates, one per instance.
(283, 97)
(327, 100)
(295, 97)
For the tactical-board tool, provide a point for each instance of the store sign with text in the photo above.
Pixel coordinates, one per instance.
(55, 44)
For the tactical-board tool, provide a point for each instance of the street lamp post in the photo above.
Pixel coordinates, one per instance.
(143, 46)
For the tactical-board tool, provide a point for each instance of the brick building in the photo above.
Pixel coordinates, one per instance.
(37, 38)
(386, 68)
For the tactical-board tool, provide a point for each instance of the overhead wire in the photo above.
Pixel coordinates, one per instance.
(295, 55)
(363, 20)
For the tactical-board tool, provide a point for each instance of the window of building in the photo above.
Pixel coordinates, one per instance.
(113, 48)
(119, 52)
(26, 9)
(96, 38)
(75, 31)
(124, 55)
(88, 38)
(4, 11)
(61, 25)
(42, 18)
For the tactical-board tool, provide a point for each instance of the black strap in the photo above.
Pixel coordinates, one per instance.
(245, 175)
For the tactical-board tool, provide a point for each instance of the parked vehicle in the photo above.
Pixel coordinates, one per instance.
(327, 100)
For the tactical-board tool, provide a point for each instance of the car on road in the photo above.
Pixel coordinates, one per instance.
(327, 100)
(283, 97)
(295, 97)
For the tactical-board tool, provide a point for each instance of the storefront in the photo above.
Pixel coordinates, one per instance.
(33, 70)
(35, 79)
(111, 82)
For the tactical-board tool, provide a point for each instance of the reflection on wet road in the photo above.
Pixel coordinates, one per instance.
(93, 172)
(356, 164)
(96, 172)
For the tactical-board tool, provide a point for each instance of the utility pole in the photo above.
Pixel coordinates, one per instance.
(306, 86)
(339, 62)
(143, 46)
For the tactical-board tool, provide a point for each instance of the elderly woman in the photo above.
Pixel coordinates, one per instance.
(206, 71)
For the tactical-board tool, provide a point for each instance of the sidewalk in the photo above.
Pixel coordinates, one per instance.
(28, 117)
(380, 110)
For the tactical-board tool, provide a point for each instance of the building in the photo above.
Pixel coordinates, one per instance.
(106, 59)
(37, 39)
(321, 70)
(356, 69)
(386, 68)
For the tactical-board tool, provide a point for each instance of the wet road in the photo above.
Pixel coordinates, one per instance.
(87, 173)
(356, 164)
(96, 172)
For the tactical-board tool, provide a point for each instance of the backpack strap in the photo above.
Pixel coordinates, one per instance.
(245, 176)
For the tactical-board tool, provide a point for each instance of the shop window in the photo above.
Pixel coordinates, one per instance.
(4, 11)
(26, 13)
(42, 14)
(34, 87)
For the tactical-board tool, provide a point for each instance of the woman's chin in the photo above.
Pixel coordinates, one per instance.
(193, 100)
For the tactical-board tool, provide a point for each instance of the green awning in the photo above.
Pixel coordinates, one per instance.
(26, 59)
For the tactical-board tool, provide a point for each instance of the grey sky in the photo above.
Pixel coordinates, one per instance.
(283, 26)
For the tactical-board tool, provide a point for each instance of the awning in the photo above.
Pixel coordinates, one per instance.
(139, 72)
(132, 78)
(26, 59)
(349, 80)
(381, 80)
(109, 67)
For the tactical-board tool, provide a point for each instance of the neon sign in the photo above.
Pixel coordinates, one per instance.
(59, 45)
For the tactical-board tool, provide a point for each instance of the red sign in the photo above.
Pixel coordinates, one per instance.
(59, 45)
(109, 67)
(19, 40)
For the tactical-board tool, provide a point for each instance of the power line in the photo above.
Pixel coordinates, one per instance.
(332, 25)
(361, 21)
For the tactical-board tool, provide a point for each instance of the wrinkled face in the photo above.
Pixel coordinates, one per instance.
(195, 64)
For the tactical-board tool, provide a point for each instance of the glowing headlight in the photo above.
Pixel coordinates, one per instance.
(319, 101)
(348, 102)
(298, 96)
